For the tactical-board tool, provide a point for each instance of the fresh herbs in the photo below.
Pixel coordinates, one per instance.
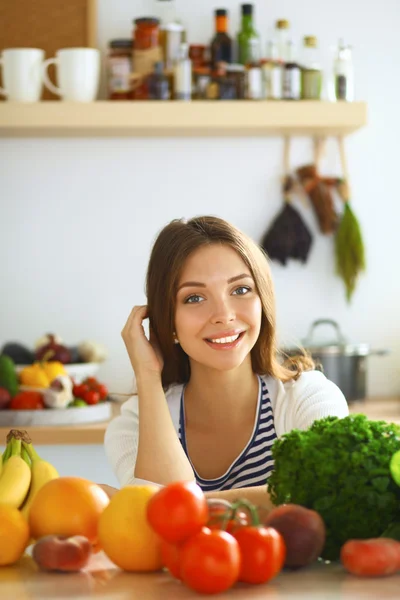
(340, 468)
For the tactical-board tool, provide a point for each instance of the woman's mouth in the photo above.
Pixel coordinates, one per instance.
(226, 343)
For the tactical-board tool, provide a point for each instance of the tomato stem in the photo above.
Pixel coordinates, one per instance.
(255, 520)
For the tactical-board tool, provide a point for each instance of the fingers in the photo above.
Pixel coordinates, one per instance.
(136, 316)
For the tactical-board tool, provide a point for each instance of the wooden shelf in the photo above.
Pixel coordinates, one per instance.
(171, 119)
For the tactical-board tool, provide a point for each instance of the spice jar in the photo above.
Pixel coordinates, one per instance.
(146, 33)
(119, 66)
(197, 55)
(237, 74)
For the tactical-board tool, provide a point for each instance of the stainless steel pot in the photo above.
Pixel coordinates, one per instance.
(343, 363)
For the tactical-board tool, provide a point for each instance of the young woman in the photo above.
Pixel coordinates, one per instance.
(212, 394)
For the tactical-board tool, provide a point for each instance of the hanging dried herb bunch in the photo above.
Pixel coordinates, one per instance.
(349, 250)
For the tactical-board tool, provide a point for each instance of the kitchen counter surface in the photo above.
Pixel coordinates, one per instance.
(102, 579)
(386, 408)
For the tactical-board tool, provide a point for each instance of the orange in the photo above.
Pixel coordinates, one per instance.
(125, 534)
(67, 506)
(14, 535)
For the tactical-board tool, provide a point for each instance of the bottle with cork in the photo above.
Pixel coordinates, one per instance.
(311, 73)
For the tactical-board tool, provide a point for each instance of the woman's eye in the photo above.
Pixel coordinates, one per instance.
(193, 299)
(242, 290)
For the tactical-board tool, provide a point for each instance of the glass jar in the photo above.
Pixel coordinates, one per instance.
(119, 67)
(146, 33)
(237, 74)
(197, 55)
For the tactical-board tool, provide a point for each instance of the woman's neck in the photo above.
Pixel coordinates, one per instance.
(221, 395)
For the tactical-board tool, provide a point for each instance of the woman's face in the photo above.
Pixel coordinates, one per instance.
(218, 311)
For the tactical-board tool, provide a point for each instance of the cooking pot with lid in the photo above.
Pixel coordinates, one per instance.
(342, 362)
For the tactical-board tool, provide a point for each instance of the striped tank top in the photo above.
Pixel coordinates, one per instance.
(254, 464)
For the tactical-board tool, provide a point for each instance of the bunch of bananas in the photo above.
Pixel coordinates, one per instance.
(22, 472)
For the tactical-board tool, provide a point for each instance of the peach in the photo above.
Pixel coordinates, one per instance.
(303, 530)
(61, 553)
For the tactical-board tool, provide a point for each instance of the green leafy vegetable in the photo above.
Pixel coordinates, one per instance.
(349, 250)
(340, 468)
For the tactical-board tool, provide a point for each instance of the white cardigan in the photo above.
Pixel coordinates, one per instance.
(295, 405)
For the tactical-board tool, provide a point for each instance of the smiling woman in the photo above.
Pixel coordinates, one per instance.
(212, 394)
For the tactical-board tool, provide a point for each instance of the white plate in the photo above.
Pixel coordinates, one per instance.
(56, 416)
(78, 371)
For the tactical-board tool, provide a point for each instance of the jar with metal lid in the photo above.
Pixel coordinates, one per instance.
(119, 67)
(236, 73)
(146, 33)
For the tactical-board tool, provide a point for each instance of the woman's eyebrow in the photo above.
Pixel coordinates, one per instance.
(200, 284)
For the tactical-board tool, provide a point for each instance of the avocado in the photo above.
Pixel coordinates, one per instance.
(8, 374)
(18, 353)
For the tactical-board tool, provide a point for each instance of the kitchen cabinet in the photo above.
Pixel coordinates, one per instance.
(101, 579)
(179, 119)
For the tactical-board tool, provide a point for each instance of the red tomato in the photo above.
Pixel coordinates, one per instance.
(91, 397)
(80, 390)
(177, 511)
(219, 510)
(170, 558)
(27, 401)
(210, 561)
(102, 390)
(263, 553)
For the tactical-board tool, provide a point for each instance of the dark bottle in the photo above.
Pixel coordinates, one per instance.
(221, 45)
(158, 83)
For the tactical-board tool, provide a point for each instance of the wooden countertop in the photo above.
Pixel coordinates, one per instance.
(386, 408)
(102, 579)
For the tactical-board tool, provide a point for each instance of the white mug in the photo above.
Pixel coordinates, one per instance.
(77, 72)
(22, 74)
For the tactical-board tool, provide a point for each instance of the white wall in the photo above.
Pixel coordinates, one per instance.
(78, 216)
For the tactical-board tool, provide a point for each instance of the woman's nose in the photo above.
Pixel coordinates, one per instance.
(222, 312)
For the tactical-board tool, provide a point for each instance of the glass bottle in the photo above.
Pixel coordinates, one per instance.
(282, 33)
(343, 71)
(221, 45)
(246, 34)
(311, 73)
(291, 78)
(158, 83)
(254, 71)
(183, 75)
(272, 73)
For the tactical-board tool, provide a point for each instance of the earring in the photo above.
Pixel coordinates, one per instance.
(176, 341)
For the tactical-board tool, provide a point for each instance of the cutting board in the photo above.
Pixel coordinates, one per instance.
(48, 24)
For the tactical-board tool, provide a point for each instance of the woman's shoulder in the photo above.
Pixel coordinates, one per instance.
(297, 403)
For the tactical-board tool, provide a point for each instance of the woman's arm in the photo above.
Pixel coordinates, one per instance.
(160, 456)
(256, 495)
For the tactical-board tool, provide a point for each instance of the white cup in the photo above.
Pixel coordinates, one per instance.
(22, 74)
(77, 73)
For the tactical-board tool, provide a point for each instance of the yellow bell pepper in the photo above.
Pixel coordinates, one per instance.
(53, 369)
(41, 374)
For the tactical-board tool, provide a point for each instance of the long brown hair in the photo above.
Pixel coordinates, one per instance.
(171, 249)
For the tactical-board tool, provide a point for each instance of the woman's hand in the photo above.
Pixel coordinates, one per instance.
(145, 355)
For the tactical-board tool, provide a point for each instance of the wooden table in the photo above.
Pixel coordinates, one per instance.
(386, 408)
(102, 579)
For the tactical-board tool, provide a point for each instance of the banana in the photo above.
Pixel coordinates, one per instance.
(15, 477)
(42, 472)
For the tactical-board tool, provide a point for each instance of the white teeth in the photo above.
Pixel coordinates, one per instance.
(226, 340)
